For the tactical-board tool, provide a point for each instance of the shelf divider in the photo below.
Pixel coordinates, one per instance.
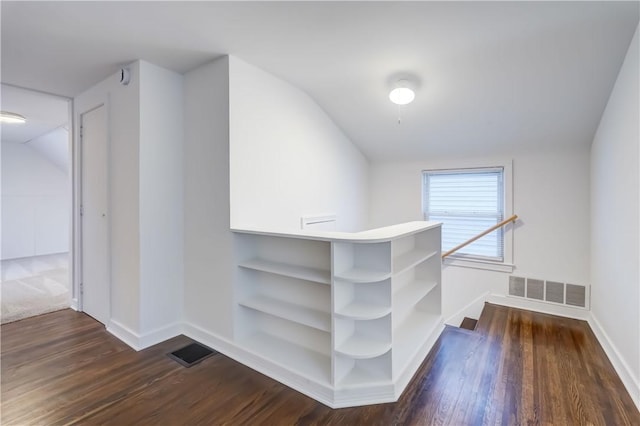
(363, 311)
(317, 275)
(311, 364)
(363, 347)
(412, 293)
(358, 275)
(411, 259)
(302, 315)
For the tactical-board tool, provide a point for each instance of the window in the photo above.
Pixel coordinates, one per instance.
(467, 202)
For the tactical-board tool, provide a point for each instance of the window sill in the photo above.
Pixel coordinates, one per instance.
(486, 265)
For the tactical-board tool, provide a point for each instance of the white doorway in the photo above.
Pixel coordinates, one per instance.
(36, 203)
(95, 218)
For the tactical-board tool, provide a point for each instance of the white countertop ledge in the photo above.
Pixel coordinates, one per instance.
(377, 235)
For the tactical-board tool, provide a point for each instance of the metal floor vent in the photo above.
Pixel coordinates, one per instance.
(191, 354)
(548, 291)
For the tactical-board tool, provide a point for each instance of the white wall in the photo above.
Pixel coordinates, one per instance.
(145, 186)
(551, 197)
(161, 197)
(208, 246)
(615, 221)
(123, 112)
(54, 146)
(288, 159)
(35, 203)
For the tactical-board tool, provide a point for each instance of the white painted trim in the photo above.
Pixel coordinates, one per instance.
(160, 335)
(125, 334)
(334, 398)
(143, 341)
(383, 392)
(74, 304)
(479, 264)
(509, 229)
(320, 393)
(622, 368)
(469, 310)
(541, 307)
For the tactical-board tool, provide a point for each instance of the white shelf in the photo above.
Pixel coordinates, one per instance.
(363, 347)
(409, 260)
(337, 310)
(359, 377)
(363, 311)
(302, 272)
(359, 275)
(412, 293)
(415, 328)
(302, 315)
(310, 364)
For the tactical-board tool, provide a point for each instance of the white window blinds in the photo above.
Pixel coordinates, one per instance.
(467, 202)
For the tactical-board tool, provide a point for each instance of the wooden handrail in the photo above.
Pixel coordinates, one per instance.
(482, 234)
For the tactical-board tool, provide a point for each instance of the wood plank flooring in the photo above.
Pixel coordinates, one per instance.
(518, 367)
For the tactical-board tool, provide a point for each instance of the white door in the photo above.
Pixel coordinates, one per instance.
(95, 290)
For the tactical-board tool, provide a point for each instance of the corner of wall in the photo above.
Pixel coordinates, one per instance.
(208, 242)
(631, 383)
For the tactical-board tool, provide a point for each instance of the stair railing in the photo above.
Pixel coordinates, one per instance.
(480, 235)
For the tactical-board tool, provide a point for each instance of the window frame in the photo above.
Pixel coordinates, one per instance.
(506, 265)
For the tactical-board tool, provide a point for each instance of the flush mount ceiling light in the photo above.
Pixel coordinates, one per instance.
(402, 93)
(11, 117)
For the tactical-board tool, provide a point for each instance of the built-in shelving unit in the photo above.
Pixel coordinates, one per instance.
(343, 317)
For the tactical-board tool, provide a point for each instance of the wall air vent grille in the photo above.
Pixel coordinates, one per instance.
(516, 286)
(555, 292)
(549, 291)
(576, 295)
(535, 289)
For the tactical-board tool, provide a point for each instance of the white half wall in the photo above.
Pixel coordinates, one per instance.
(36, 203)
(208, 242)
(615, 223)
(288, 158)
(550, 240)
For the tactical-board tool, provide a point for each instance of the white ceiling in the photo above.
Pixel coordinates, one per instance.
(493, 76)
(44, 113)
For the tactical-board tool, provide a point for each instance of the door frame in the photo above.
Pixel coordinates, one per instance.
(79, 111)
(73, 182)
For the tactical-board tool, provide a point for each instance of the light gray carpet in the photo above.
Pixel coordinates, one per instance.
(34, 285)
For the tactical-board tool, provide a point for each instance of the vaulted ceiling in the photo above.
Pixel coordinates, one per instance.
(492, 77)
(45, 113)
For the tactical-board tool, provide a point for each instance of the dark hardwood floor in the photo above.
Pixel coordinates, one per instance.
(518, 367)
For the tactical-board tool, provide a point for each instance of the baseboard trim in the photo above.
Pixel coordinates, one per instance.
(335, 398)
(471, 310)
(320, 393)
(74, 305)
(541, 307)
(124, 333)
(621, 367)
(139, 342)
(160, 335)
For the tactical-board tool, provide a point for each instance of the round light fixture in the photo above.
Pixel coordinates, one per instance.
(402, 94)
(11, 117)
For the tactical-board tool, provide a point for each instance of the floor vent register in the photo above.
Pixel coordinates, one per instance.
(191, 354)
